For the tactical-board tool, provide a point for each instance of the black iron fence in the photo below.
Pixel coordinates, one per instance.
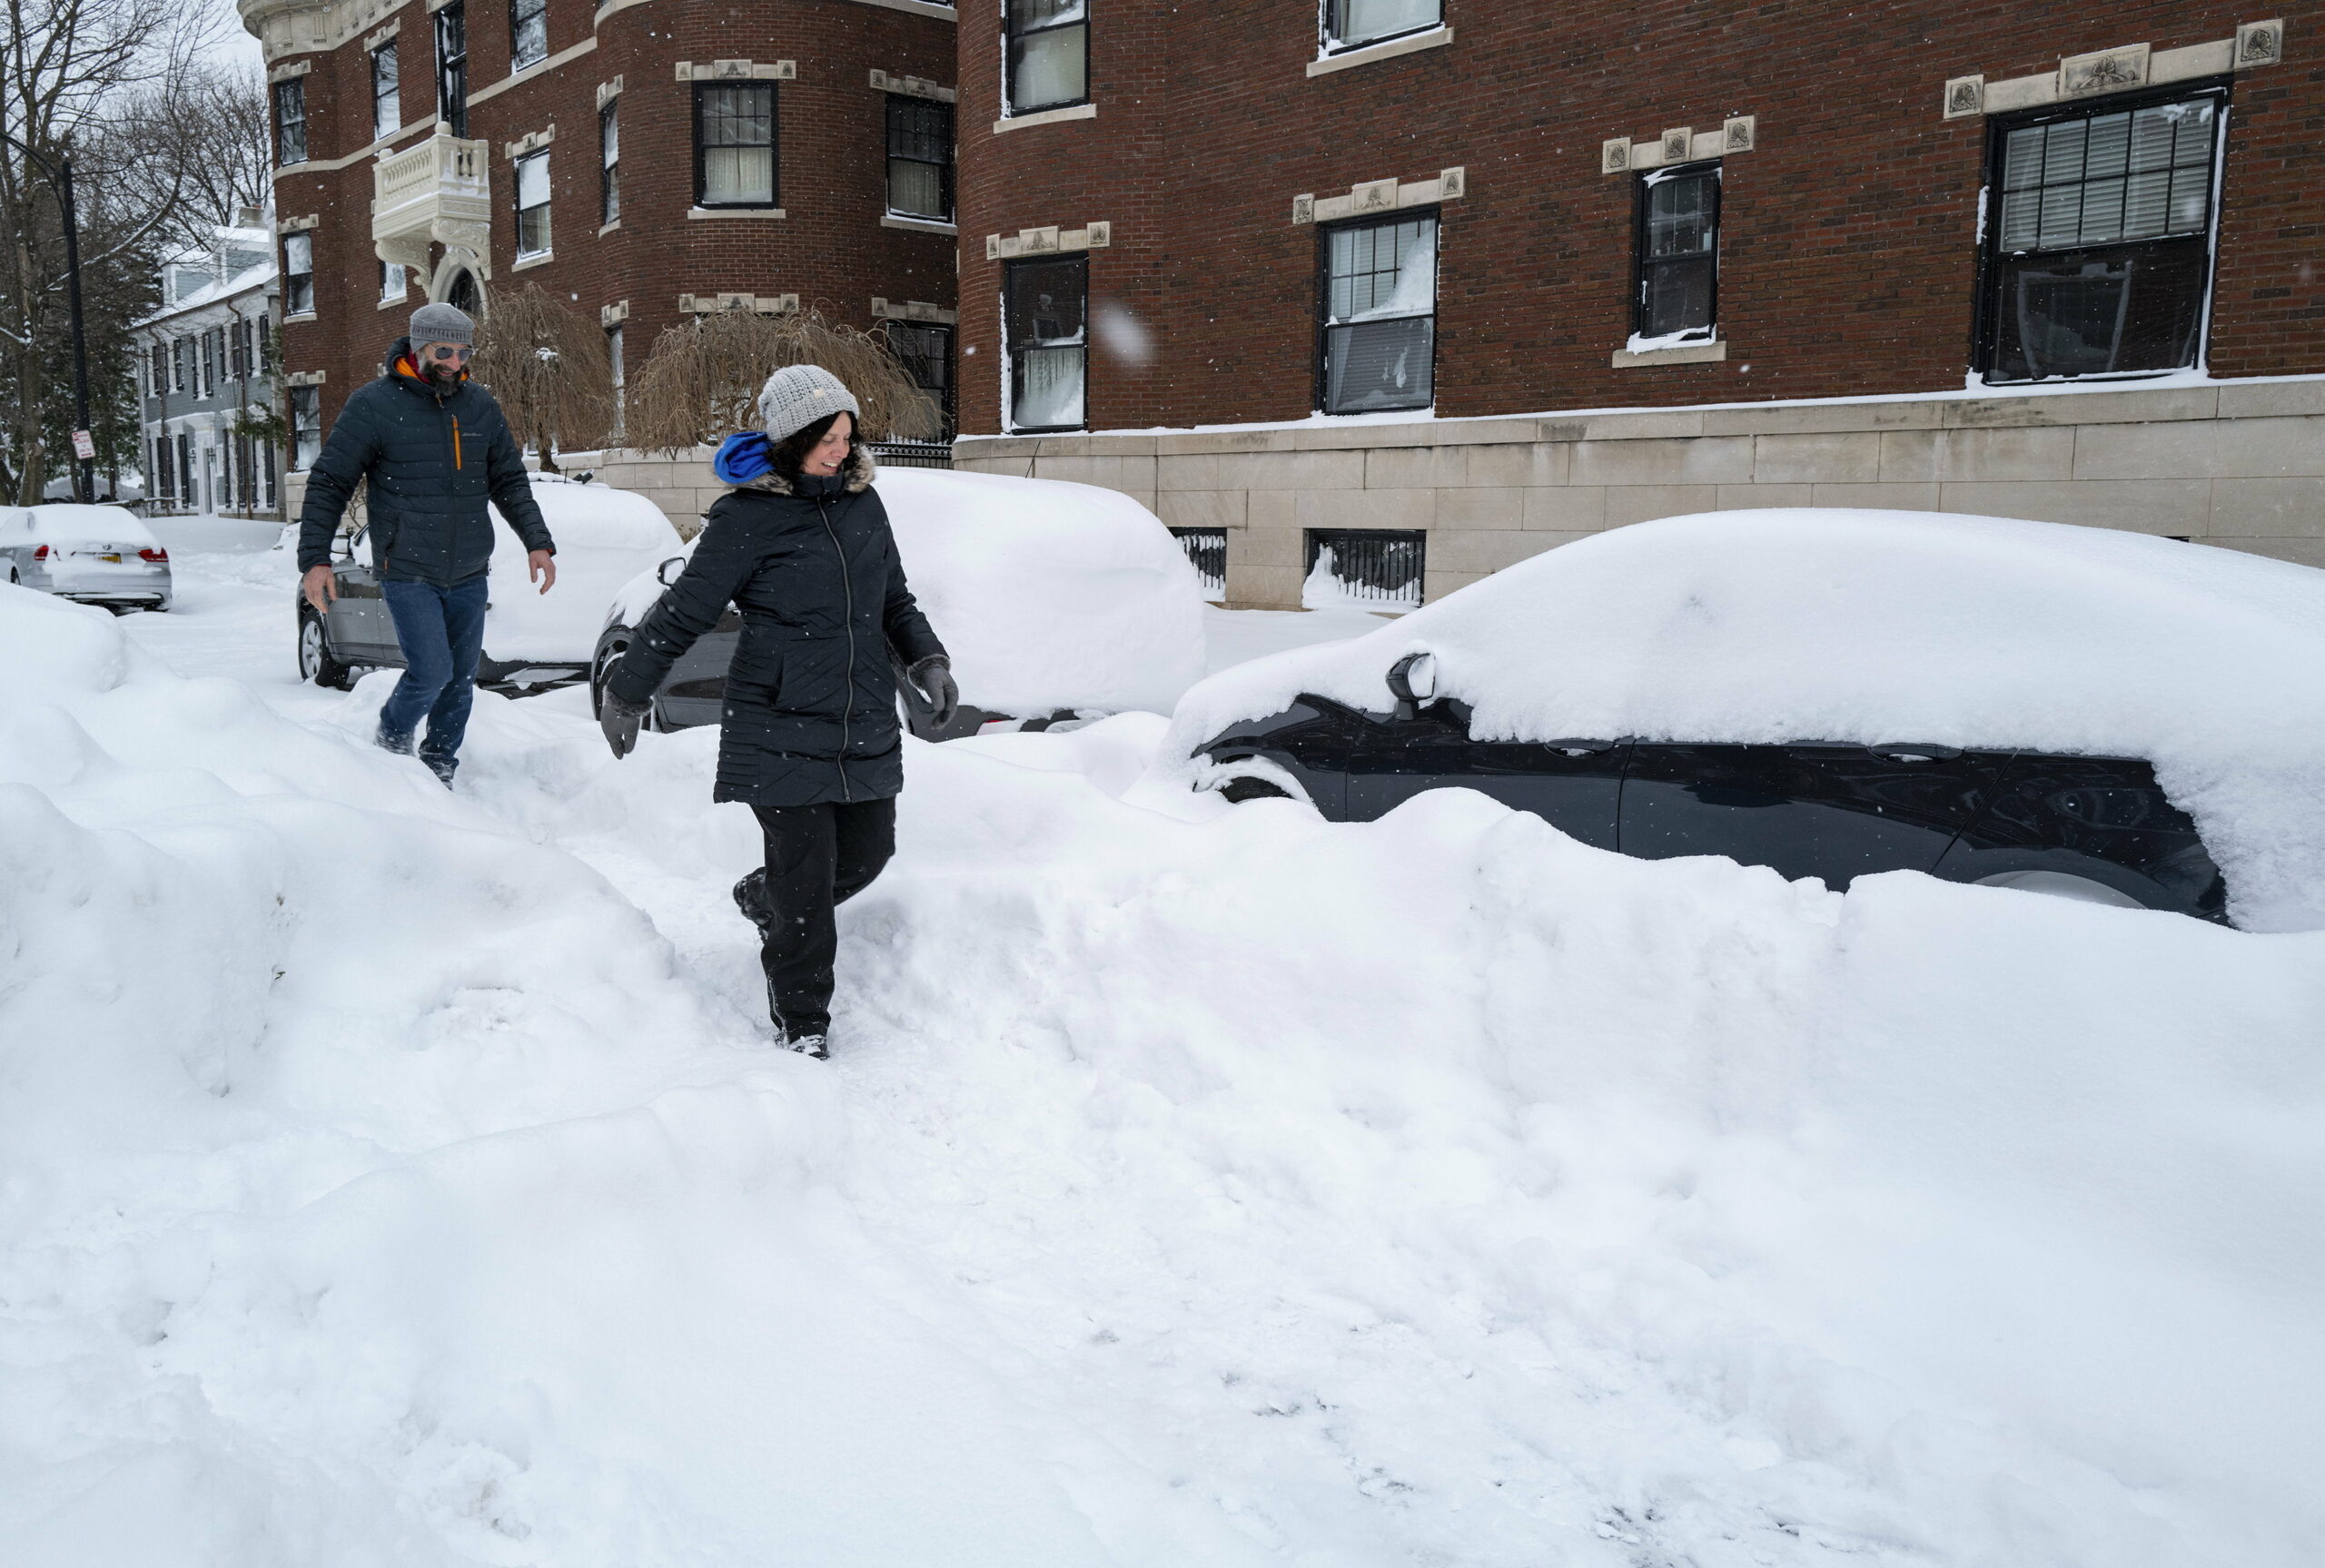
(1370, 566)
(911, 454)
(1207, 549)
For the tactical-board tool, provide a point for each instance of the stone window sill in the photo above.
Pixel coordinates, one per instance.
(395, 302)
(539, 259)
(1046, 117)
(733, 211)
(919, 225)
(606, 229)
(302, 316)
(1677, 354)
(1436, 37)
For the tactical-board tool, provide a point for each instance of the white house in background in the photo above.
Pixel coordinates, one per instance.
(206, 370)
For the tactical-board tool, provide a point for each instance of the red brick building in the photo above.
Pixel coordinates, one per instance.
(1341, 226)
(642, 158)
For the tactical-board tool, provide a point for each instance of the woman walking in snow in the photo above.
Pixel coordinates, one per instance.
(808, 738)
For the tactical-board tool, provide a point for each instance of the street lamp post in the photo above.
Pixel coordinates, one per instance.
(60, 177)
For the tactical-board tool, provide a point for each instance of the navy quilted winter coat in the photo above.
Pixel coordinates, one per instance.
(434, 458)
(810, 713)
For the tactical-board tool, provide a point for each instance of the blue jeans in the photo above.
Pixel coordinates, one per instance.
(442, 631)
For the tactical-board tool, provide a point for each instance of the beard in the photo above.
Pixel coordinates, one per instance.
(439, 374)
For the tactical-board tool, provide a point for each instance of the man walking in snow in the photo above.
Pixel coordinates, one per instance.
(435, 448)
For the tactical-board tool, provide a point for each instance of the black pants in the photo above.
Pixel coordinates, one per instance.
(818, 858)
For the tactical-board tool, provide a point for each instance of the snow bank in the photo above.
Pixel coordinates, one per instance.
(1462, 1194)
(605, 537)
(1192, 1184)
(375, 1186)
(1048, 594)
(1841, 625)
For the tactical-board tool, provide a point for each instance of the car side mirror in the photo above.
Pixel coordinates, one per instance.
(1412, 681)
(669, 571)
(343, 544)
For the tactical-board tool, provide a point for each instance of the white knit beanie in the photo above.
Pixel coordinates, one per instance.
(796, 396)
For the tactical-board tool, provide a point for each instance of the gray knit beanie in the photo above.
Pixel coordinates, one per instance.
(441, 323)
(796, 396)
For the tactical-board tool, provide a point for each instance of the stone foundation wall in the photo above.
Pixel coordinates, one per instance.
(2236, 464)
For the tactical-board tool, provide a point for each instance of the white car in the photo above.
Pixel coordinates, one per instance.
(1837, 693)
(95, 555)
(532, 640)
(1056, 601)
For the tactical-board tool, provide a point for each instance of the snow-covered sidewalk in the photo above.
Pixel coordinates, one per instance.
(390, 1177)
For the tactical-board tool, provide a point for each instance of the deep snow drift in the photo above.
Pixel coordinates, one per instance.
(379, 1184)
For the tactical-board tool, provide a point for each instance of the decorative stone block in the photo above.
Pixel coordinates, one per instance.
(1678, 144)
(1048, 240)
(615, 314)
(1615, 155)
(912, 86)
(532, 142)
(1374, 196)
(2103, 71)
(1966, 96)
(2260, 44)
(1303, 208)
(1452, 183)
(609, 91)
(738, 70)
(1739, 133)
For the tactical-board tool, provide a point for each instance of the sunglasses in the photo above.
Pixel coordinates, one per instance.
(447, 353)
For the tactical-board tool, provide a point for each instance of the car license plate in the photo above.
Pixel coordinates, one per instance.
(114, 558)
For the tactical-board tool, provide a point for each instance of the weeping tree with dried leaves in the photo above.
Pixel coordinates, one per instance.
(548, 368)
(701, 383)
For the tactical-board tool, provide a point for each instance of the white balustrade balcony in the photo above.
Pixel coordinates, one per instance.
(435, 191)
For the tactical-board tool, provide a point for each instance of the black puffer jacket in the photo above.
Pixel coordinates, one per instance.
(810, 711)
(434, 458)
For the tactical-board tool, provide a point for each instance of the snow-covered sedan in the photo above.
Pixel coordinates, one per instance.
(1835, 692)
(532, 640)
(1056, 602)
(96, 555)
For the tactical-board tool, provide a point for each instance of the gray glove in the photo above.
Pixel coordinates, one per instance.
(619, 720)
(934, 677)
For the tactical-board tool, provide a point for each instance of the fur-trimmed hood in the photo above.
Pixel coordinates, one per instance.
(856, 475)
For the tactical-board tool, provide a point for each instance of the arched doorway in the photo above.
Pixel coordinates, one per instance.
(464, 294)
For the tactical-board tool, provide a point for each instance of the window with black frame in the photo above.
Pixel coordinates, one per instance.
(306, 426)
(532, 205)
(453, 66)
(734, 145)
(2099, 240)
(299, 274)
(609, 162)
(527, 33)
(387, 92)
(920, 159)
(1353, 23)
(1677, 252)
(1379, 312)
(290, 121)
(1045, 317)
(1049, 54)
(925, 351)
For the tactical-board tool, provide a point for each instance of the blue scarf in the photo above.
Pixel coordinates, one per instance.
(742, 457)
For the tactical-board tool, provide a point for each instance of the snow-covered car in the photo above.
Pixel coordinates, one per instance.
(1056, 602)
(532, 640)
(97, 555)
(1834, 693)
